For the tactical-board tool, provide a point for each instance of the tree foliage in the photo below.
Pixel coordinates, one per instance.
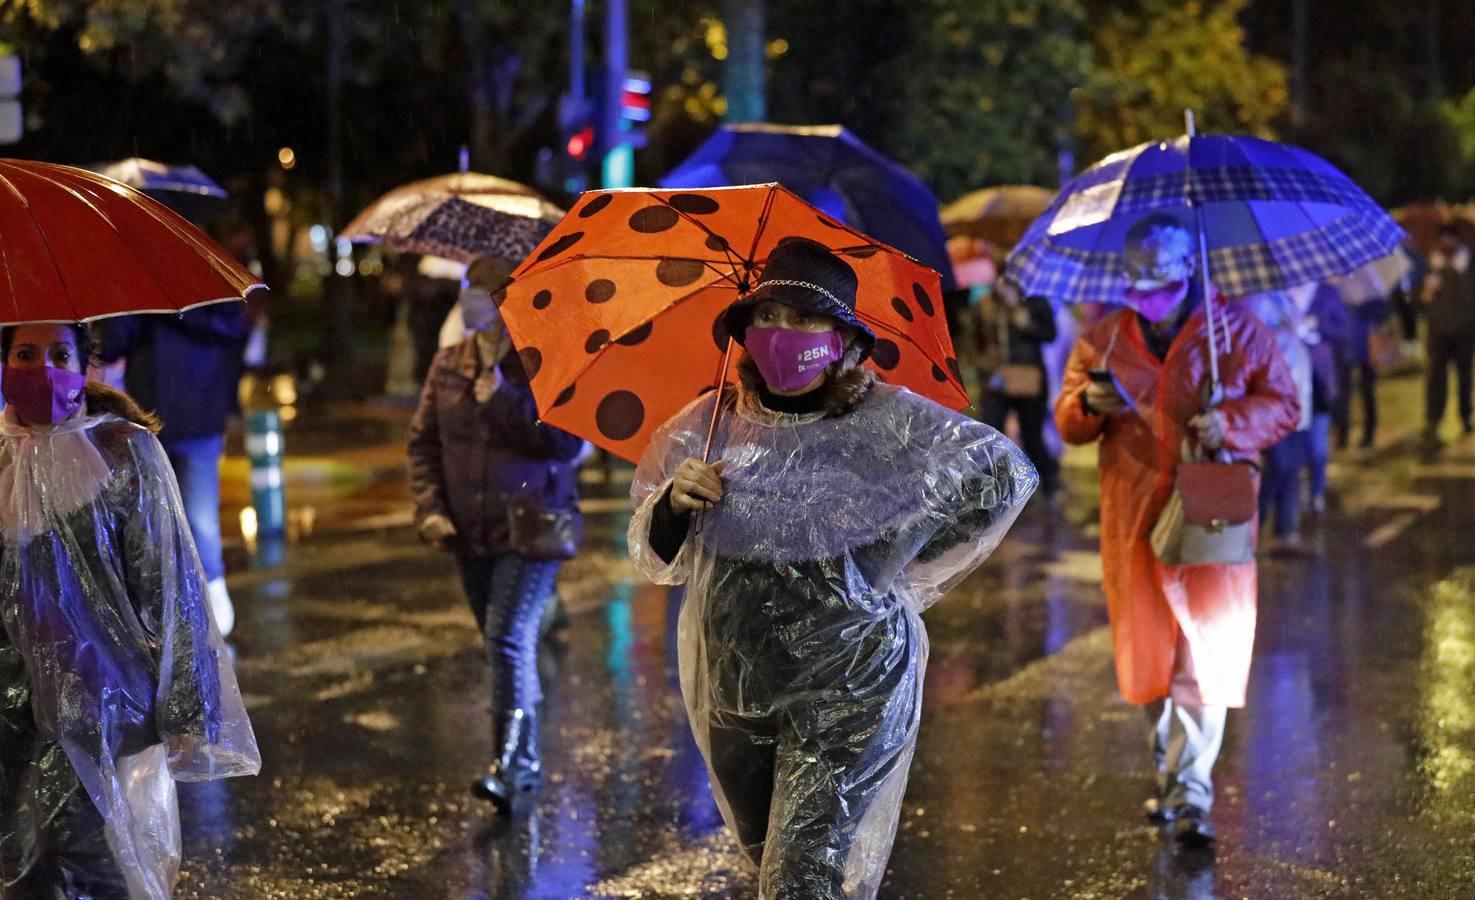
(1155, 58)
(1378, 72)
(1459, 116)
(967, 92)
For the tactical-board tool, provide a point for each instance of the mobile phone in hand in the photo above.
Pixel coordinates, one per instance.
(1108, 378)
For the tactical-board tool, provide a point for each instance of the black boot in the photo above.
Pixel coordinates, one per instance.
(1191, 827)
(517, 769)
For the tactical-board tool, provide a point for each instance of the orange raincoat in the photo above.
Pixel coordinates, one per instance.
(1155, 609)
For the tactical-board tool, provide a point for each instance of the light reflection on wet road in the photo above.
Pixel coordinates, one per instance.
(1350, 774)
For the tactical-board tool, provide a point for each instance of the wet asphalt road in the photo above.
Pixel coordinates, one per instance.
(1350, 774)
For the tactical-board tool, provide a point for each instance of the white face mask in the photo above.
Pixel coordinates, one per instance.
(478, 310)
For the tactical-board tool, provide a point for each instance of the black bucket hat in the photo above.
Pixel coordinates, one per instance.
(806, 275)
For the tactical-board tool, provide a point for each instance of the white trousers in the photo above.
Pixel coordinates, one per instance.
(1185, 738)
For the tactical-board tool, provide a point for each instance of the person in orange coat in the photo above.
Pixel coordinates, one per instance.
(1183, 634)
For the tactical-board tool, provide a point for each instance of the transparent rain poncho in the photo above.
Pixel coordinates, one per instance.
(114, 682)
(802, 648)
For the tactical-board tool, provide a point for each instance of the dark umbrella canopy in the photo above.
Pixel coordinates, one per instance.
(834, 171)
(184, 189)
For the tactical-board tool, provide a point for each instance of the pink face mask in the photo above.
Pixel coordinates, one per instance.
(790, 360)
(1158, 303)
(42, 395)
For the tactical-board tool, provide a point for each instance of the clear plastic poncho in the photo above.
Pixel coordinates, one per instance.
(801, 644)
(114, 682)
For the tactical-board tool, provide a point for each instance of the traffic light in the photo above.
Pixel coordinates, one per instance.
(580, 143)
(635, 108)
(577, 132)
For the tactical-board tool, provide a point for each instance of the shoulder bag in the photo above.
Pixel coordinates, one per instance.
(536, 532)
(1210, 519)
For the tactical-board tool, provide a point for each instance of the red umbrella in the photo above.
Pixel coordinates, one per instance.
(77, 246)
(614, 313)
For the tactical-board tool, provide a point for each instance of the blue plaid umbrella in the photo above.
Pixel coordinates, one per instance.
(1274, 217)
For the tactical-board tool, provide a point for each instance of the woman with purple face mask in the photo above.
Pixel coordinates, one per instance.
(114, 682)
(837, 510)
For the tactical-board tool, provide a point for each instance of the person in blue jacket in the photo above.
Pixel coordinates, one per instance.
(186, 368)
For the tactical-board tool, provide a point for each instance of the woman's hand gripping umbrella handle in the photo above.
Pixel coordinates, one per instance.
(716, 413)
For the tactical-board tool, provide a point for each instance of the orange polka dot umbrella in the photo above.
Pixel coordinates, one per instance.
(615, 312)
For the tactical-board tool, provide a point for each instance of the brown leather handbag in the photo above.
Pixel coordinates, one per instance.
(536, 532)
(1210, 519)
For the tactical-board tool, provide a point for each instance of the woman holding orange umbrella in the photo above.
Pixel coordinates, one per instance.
(839, 508)
(835, 509)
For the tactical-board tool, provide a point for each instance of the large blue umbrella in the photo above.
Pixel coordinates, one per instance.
(833, 170)
(1274, 217)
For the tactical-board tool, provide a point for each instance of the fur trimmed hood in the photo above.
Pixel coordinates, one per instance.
(845, 389)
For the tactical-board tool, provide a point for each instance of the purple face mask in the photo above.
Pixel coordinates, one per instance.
(42, 395)
(790, 360)
(1157, 304)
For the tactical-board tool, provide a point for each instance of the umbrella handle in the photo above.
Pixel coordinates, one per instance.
(716, 414)
(717, 407)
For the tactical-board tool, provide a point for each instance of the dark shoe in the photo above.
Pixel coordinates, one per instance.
(500, 787)
(492, 788)
(1156, 812)
(1191, 826)
(517, 769)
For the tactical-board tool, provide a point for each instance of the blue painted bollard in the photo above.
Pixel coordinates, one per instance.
(264, 449)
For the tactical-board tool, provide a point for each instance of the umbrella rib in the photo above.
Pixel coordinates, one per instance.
(762, 222)
(586, 257)
(726, 246)
(168, 311)
(108, 221)
(41, 234)
(188, 235)
(596, 357)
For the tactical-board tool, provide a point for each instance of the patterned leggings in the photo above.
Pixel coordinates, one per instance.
(508, 596)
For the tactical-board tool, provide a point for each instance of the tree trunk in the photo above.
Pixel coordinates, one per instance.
(1432, 52)
(1300, 28)
(480, 89)
(337, 346)
(743, 74)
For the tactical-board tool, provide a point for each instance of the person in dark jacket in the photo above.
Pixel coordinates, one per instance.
(186, 369)
(1449, 297)
(476, 449)
(1347, 335)
(837, 510)
(1332, 334)
(1012, 333)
